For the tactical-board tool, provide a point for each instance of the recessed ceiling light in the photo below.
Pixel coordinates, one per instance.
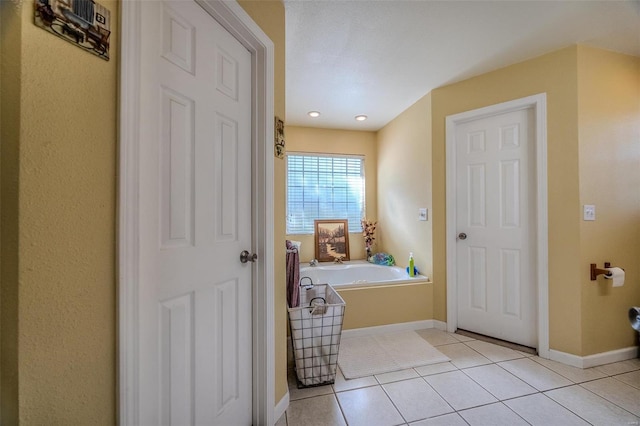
(313, 114)
(361, 117)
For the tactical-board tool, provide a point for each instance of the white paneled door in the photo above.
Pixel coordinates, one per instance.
(495, 205)
(195, 352)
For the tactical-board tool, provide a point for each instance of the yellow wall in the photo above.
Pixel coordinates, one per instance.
(556, 75)
(405, 145)
(59, 176)
(269, 15)
(10, 64)
(63, 278)
(609, 152)
(382, 305)
(306, 139)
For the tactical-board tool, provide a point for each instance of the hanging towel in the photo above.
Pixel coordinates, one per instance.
(293, 275)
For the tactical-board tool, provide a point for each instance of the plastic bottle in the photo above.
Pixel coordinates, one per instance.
(411, 266)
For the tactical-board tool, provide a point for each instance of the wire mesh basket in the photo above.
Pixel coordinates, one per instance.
(316, 327)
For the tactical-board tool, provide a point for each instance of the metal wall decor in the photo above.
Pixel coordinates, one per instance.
(279, 139)
(84, 23)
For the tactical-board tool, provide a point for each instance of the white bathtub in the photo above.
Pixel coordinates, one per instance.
(356, 274)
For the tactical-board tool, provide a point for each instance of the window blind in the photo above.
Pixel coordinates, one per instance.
(324, 187)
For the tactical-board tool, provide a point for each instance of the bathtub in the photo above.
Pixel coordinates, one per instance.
(357, 274)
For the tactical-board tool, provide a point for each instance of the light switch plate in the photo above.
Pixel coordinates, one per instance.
(423, 214)
(589, 212)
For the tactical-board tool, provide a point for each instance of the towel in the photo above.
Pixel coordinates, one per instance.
(293, 275)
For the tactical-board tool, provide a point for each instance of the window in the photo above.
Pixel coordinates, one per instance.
(324, 186)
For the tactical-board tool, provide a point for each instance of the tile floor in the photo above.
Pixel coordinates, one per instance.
(483, 384)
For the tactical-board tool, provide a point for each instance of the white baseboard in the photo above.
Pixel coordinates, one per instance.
(565, 358)
(595, 359)
(440, 325)
(389, 328)
(281, 407)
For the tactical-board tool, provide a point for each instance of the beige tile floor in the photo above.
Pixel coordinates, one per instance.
(483, 384)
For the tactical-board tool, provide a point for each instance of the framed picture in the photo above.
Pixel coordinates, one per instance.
(332, 239)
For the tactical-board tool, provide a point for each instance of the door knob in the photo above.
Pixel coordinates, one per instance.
(245, 257)
(462, 236)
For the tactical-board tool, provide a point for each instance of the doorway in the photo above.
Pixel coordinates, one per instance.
(133, 266)
(497, 280)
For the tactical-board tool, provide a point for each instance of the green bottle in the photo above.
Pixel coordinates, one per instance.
(411, 267)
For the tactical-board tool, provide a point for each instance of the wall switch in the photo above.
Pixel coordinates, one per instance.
(589, 212)
(423, 214)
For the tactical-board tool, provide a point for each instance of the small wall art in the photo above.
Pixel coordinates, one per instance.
(279, 139)
(84, 23)
(332, 239)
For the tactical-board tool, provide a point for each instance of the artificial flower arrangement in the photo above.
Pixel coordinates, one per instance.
(368, 232)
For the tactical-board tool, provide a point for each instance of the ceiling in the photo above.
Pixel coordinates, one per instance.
(377, 58)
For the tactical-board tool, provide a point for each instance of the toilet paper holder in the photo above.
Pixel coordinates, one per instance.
(597, 271)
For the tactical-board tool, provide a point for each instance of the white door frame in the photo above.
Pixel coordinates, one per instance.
(235, 20)
(539, 105)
